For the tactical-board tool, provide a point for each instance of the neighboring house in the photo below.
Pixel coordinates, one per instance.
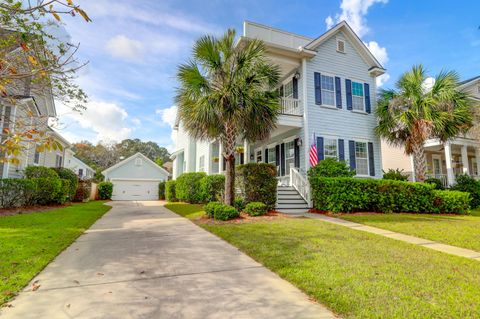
(328, 87)
(82, 170)
(135, 178)
(461, 155)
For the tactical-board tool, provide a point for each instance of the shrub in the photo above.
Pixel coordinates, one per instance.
(239, 204)
(84, 189)
(47, 190)
(257, 182)
(105, 190)
(395, 174)
(68, 174)
(187, 188)
(451, 202)
(466, 183)
(16, 192)
(63, 194)
(170, 191)
(256, 209)
(40, 172)
(212, 187)
(210, 208)
(331, 167)
(161, 190)
(225, 212)
(352, 194)
(434, 181)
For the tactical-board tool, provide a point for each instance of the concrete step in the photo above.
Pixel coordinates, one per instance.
(288, 206)
(289, 197)
(287, 192)
(287, 188)
(281, 200)
(293, 211)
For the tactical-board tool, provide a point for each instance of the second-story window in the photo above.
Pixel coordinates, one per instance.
(288, 89)
(358, 102)
(36, 156)
(328, 90)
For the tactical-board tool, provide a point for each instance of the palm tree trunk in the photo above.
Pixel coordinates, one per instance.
(230, 180)
(419, 162)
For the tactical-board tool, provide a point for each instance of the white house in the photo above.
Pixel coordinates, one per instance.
(461, 155)
(82, 170)
(135, 178)
(328, 87)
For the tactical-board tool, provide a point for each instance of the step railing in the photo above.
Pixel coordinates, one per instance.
(301, 184)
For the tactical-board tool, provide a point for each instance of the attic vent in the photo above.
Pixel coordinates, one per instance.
(341, 46)
(138, 162)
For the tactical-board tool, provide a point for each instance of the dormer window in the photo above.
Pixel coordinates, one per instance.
(138, 162)
(340, 46)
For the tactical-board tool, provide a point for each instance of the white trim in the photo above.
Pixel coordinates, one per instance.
(330, 107)
(104, 172)
(439, 157)
(290, 138)
(306, 133)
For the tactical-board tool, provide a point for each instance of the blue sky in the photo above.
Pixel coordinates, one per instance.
(133, 48)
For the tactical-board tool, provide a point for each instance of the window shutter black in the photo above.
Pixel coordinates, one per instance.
(277, 155)
(282, 159)
(318, 88)
(320, 154)
(296, 153)
(266, 156)
(368, 105)
(242, 158)
(351, 150)
(371, 159)
(341, 150)
(338, 92)
(295, 88)
(281, 90)
(224, 163)
(348, 88)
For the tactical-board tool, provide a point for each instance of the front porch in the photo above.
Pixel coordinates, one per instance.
(446, 161)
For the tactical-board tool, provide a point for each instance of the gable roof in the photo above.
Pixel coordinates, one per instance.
(470, 80)
(354, 39)
(128, 159)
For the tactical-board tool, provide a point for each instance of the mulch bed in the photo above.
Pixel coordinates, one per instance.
(29, 209)
(244, 218)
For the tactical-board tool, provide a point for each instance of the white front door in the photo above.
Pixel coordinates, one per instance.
(135, 190)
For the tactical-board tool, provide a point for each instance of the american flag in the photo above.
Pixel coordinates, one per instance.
(313, 152)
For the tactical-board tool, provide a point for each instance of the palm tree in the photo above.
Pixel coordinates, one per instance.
(418, 110)
(226, 92)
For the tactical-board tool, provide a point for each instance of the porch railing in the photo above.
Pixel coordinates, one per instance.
(442, 177)
(290, 106)
(301, 184)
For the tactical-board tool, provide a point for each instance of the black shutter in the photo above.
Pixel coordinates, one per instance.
(371, 159)
(348, 88)
(368, 105)
(318, 88)
(320, 154)
(295, 88)
(242, 158)
(338, 92)
(351, 150)
(282, 159)
(281, 90)
(277, 155)
(224, 163)
(266, 156)
(341, 150)
(296, 153)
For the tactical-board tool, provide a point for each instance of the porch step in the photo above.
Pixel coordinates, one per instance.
(297, 200)
(289, 201)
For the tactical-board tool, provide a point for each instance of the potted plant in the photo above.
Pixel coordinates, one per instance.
(216, 159)
(239, 149)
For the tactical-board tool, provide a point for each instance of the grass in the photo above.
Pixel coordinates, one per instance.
(190, 211)
(29, 242)
(361, 275)
(461, 230)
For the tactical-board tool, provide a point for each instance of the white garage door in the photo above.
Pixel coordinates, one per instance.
(135, 190)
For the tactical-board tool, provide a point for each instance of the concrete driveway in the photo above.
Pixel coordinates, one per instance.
(142, 261)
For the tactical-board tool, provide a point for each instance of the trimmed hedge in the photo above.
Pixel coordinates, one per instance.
(65, 173)
(331, 167)
(466, 183)
(170, 194)
(16, 192)
(161, 190)
(239, 204)
(225, 212)
(40, 172)
(212, 187)
(256, 209)
(345, 194)
(257, 182)
(210, 208)
(187, 188)
(105, 190)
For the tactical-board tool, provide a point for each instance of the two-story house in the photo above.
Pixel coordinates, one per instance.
(460, 155)
(327, 89)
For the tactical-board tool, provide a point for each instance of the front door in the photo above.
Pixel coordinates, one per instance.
(437, 165)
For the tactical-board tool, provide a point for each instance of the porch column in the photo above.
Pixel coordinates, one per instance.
(448, 160)
(477, 159)
(412, 165)
(246, 152)
(465, 169)
(220, 156)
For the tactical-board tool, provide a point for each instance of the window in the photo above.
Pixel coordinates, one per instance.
(138, 162)
(288, 89)
(272, 156)
(330, 148)
(58, 161)
(357, 96)
(289, 156)
(340, 46)
(474, 167)
(259, 156)
(201, 164)
(361, 158)
(36, 156)
(80, 172)
(328, 90)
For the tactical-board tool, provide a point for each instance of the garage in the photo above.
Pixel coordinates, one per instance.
(135, 178)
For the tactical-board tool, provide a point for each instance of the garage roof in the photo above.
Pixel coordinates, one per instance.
(125, 161)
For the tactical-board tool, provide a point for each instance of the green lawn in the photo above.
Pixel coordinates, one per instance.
(361, 275)
(462, 231)
(28, 242)
(190, 211)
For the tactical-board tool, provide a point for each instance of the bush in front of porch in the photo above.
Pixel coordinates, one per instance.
(466, 183)
(257, 182)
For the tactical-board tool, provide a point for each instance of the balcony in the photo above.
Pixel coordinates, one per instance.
(290, 106)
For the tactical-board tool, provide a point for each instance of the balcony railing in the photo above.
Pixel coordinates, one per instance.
(290, 106)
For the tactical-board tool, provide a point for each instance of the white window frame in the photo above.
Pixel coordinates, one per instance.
(330, 139)
(325, 91)
(274, 162)
(338, 45)
(439, 158)
(257, 152)
(288, 84)
(473, 161)
(362, 158)
(358, 96)
(58, 160)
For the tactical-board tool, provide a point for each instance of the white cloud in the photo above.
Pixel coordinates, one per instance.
(378, 52)
(329, 22)
(168, 116)
(106, 120)
(136, 121)
(382, 79)
(120, 46)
